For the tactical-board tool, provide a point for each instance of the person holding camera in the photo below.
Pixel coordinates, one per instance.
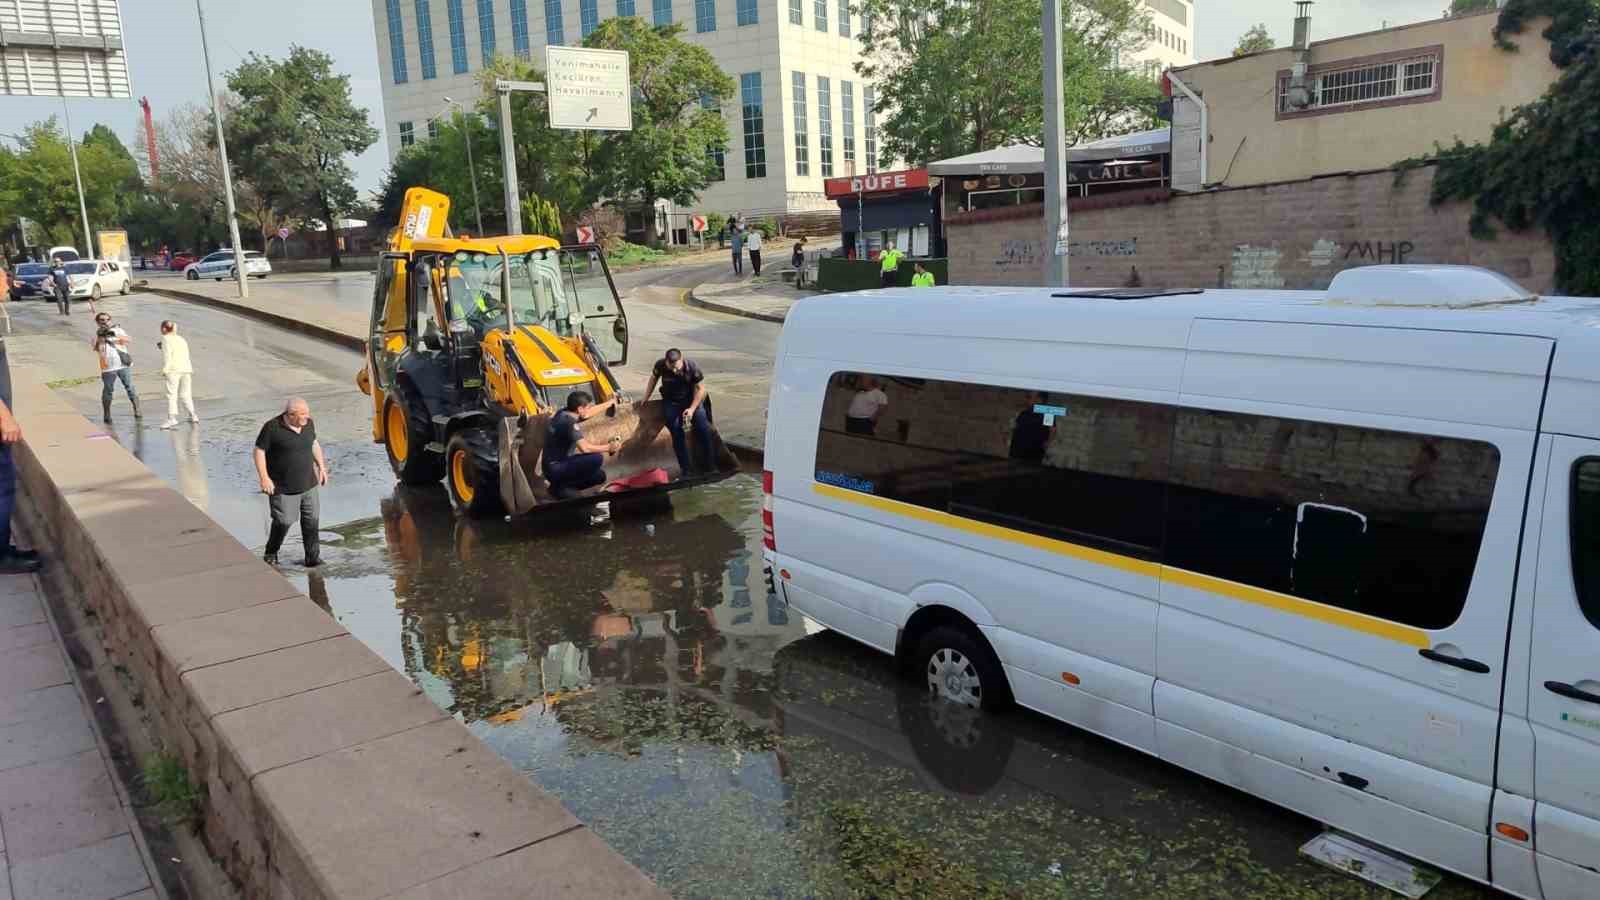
(178, 371)
(116, 363)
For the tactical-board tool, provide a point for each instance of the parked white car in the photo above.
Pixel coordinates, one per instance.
(93, 278)
(219, 265)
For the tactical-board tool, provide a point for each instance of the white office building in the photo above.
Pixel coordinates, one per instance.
(799, 113)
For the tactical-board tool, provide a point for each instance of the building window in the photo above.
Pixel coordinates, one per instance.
(661, 11)
(588, 17)
(871, 117)
(755, 136)
(408, 135)
(486, 30)
(847, 120)
(745, 11)
(717, 154)
(1408, 79)
(425, 40)
(796, 14)
(825, 125)
(458, 35)
(705, 16)
(1586, 537)
(521, 43)
(555, 31)
(626, 8)
(802, 140)
(397, 43)
(819, 14)
(1383, 523)
(844, 18)
(433, 129)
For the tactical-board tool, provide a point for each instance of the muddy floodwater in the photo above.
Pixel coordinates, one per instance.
(642, 672)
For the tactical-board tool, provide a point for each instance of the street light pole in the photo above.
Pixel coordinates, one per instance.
(227, 174)
(83, 208)
(1056, 265)
(466, 138)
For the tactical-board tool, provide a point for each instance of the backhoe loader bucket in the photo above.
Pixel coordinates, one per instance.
(646, 446)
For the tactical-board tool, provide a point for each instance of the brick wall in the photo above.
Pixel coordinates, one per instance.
(1296, 235)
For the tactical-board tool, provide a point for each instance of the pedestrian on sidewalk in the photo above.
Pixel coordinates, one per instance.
(58, 280)
(178, 371)
(755, 251)
(738, 247)
(116, 363)
(290, 465)
(683, 393)
(921, 277)
(12, 560)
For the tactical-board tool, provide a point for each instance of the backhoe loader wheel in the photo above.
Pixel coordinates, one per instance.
(472, 471)
(407, 444)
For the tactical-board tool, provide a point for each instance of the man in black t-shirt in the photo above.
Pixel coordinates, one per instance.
(683, 391)
(290, 465)
(572, 462)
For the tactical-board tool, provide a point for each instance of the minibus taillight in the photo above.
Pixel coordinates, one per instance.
(767, 538)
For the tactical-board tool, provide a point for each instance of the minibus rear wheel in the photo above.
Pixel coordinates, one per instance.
(960, 667)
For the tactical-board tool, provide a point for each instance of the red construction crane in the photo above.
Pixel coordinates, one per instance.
(150, 140)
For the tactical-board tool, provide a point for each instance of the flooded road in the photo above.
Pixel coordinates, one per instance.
(642, 672)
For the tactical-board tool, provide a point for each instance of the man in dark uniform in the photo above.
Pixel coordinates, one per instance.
(12, 560)
(571, 462)
(290, 465)
(683, 392)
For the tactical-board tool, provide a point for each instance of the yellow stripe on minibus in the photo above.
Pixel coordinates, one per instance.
(1298, 606)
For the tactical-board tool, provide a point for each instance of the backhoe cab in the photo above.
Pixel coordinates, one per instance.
(476, 343)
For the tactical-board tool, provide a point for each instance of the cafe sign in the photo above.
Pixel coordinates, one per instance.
(877, 183)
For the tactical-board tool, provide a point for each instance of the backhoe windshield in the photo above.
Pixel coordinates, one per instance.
(540, 295)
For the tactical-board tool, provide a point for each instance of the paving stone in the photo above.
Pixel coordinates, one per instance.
(245, 682)
(111, 868)
(207, 593)
(194, 643)
(399, 811)
(41, 704)
(17, 637)
(62, 733)
(574, 864)
(20, 609)
(31, 668)
(51, 807)
(280, 732)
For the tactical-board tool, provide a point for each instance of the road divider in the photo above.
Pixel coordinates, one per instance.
(325, 773)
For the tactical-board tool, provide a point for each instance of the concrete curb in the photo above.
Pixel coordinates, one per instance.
(331, 335)
(713, 306)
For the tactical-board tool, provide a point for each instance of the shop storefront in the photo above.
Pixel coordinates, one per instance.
(888, 208)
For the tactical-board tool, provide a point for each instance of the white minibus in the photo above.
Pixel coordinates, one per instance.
(1337, 549)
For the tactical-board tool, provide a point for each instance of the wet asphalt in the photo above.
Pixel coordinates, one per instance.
(642, 671)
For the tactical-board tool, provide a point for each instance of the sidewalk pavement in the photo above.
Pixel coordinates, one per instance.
(67, 829)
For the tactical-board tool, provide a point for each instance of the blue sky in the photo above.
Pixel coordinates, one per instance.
(163, 38)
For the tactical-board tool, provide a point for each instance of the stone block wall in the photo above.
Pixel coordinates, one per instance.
(1295, 235)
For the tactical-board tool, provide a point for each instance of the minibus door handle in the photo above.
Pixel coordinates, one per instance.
(1471, 665)
(1567, 690)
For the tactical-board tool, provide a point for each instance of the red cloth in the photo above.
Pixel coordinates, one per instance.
(647, 478)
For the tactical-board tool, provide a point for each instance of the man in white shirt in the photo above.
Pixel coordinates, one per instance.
(111, 344)
(177, 369)
(865, 407)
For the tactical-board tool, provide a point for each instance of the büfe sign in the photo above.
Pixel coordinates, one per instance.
(880, 183)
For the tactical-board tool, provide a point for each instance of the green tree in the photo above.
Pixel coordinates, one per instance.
(1257, 39)
(678, 93)
(961, 76)
(1462, 7)
(292, 132)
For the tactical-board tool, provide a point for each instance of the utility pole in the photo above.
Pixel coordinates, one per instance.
(227, 175)
(466, 135)
(1056, 265)
(83, 208)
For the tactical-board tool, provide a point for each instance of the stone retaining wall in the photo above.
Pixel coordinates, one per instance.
(325, 772)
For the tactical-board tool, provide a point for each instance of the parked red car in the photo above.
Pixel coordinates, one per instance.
(181, 261)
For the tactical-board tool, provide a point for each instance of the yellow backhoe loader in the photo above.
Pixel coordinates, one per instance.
(476, 342)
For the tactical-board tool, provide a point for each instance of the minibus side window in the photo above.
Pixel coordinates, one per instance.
(1086, 470)
(1385, 523)
(1586, 537)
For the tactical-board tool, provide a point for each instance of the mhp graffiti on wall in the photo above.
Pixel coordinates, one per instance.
(1124, 247)
(1017, 254)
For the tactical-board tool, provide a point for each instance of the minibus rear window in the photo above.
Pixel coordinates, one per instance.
(1586, 537)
